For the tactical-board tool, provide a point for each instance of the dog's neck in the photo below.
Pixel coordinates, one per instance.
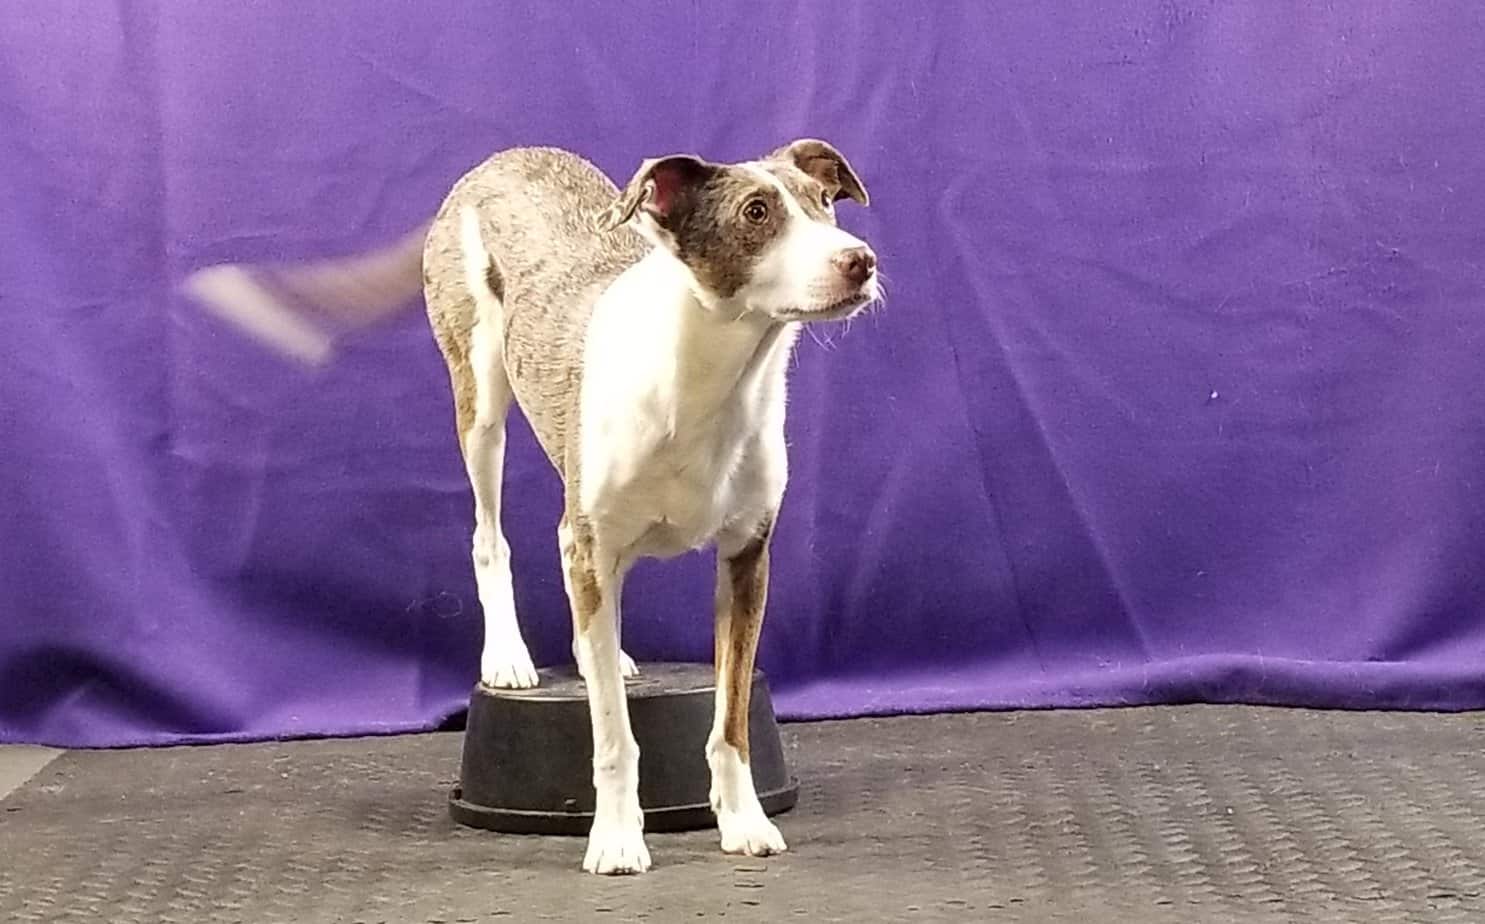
(705, 351)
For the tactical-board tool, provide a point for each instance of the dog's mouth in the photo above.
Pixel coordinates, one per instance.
(837, 310)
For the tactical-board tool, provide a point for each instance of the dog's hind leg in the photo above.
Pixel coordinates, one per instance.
(505, 660)
(627, 668)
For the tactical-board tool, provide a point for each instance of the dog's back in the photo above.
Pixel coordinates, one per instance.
(534, 211)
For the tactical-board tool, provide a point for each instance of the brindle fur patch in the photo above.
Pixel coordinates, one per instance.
(809, 192)
(582, 575)
(493, 280)
(461, 377)
(714, 238)
(747, 572)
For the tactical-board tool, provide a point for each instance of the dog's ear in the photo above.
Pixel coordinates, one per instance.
(663, 187)
(823, 162)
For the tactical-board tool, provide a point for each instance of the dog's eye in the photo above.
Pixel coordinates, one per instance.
(756, 211)
(826, 199)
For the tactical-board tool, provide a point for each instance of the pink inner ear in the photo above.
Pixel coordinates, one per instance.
(665, 183)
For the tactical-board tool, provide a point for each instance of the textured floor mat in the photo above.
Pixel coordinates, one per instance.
(1146, 815)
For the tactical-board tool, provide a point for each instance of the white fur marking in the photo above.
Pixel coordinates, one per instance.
(679, 408)
(741, 821)
(616, 850)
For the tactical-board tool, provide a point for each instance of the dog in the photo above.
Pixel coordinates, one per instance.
(645, 333)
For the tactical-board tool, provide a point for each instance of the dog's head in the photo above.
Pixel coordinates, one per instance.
(758, 236)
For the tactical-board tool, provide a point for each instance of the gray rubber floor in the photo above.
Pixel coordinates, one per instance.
(1200, 814)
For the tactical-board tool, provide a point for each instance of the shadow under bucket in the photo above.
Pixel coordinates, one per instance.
(527, 766)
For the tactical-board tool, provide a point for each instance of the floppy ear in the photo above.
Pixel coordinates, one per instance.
(663, 187)
(825, 164)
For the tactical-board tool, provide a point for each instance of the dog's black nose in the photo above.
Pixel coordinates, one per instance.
(856, 264)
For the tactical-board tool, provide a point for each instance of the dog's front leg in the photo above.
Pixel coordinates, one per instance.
(742, 592)
(616, 843)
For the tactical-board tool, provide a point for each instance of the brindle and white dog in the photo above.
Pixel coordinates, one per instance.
(645, 333)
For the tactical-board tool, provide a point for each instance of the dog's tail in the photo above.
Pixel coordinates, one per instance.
(299, 309)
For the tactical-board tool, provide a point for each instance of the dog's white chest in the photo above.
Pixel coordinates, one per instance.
(695, 491)
(678, 437)
(673, 482)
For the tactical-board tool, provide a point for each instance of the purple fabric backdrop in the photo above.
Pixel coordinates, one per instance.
(1177, 396)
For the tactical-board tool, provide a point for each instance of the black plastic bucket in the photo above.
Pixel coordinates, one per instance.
(528, 754)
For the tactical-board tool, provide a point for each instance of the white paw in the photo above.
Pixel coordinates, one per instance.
(749, 832)
(616, 850)
(627, 667)
(508, 670)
